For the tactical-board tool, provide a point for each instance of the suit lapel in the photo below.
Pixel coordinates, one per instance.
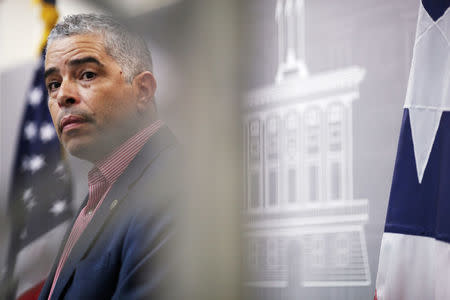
(49, 281)
(119, 191)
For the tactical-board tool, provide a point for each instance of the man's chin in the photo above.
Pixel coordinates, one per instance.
(91, 147)
(81, 150)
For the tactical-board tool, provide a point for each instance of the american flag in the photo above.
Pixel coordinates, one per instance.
(41, 193)
(415, 250)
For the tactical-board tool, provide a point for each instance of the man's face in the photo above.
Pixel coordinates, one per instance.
(91, 103)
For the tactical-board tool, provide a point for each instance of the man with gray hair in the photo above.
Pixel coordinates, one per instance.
(101, 98)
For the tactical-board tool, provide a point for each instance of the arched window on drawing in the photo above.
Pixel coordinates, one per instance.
(335, 122)
(253, 253)
(272, 160)
(292, 156)
(254, 164)
(335, 145)
(312, 148)
(272, 139)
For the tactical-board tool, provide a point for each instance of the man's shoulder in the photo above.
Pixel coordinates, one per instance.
(160, 165)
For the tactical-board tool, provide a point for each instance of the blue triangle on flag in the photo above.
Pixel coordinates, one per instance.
(436, 8)
(421, 208)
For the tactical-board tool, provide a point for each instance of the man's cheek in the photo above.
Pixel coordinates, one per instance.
(53, 108)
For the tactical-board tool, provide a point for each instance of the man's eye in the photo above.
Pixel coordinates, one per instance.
(88, 75)
(53, 86)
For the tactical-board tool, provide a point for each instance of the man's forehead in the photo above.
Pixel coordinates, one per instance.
(73, 51)
(76, 43)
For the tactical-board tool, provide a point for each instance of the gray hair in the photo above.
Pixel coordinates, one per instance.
(128, 49)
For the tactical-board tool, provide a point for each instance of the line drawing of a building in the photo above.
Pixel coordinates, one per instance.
(302, 224)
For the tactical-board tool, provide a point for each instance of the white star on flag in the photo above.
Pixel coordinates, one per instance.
(34, 164)
(25, 163)
(58, 207)
(30, 130)
(59, 169)
(35, 96)
(27, 194)
(47, 132)
(30, 204)
(428, 87)
(61, 172)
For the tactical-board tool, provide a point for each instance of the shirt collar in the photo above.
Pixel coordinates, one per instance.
(116, 162)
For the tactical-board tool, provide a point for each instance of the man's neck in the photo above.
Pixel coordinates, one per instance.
(109, 144)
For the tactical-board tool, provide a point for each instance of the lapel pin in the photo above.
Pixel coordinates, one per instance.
(113, 204)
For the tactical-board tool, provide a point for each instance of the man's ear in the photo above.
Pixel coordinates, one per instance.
(144, 85)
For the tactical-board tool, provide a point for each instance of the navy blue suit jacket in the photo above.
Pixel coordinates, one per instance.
(124, 252)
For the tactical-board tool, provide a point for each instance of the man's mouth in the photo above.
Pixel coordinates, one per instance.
(70, 122)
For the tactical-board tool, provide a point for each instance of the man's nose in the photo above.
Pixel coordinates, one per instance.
(67, 94)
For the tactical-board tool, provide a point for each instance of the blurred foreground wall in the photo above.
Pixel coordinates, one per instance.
(194, 47)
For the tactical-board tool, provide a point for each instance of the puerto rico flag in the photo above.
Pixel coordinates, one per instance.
(415, 249)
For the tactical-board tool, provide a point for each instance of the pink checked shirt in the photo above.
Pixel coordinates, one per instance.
(100, 180)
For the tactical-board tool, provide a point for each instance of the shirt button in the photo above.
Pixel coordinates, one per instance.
(90, 212)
